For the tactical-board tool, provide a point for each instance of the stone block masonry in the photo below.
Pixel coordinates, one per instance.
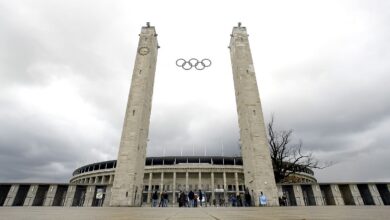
(129, 173)
(258, 171)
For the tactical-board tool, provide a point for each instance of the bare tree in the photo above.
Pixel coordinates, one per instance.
(288, 158)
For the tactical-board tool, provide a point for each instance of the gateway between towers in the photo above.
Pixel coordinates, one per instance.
(258, 173)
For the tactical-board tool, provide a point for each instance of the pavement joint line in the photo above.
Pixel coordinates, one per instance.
(170, 217)
(212, 216)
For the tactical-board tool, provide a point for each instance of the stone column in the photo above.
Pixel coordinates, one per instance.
(107, 197)
(375, 194)
(212, 188)
(236, 181)
(200, 181)
(224, 186)
(187, 182)
(149, 187)
(280, 190)
(89, 196)
(356, 194)
(317, 194)
(258, 171)
(298, 195)
(129, 172)
(174, 188)
(70, 195)
(161, 184)
(11, 195)
(50, 195)
(338, 199)
(32, 192)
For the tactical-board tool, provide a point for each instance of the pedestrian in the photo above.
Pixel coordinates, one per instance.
(186, 200)
(195, 200)
(178, 199)
(154, 199)
(248, 198)
(280, 201)
(191, 198)
(200, 197)
(221, 201)
(183, 199)
(165, 199)
(263, 199)
(233, 200)
(239, 201)
(284, 198)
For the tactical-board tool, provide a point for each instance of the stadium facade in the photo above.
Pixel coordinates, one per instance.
(218, 177)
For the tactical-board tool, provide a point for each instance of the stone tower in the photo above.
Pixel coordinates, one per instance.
(258, 171)
(129, 173)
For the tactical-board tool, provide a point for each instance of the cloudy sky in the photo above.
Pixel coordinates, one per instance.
(323, 69)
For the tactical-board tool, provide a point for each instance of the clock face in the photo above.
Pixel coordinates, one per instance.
(143, 50)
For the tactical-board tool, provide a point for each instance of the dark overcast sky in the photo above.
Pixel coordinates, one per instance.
(65, 70)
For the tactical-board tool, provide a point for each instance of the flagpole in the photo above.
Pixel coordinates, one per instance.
(222, 148)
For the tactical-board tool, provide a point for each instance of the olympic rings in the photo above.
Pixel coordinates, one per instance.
(193, 62)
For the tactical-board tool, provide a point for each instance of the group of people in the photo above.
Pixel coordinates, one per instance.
(185, 200)
(191, 199)
(198, 198)
(163, 199)
(238, 201)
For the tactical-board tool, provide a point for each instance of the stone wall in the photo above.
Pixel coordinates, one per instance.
(320, 194)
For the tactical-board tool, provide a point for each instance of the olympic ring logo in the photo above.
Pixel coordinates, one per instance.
(193, 62)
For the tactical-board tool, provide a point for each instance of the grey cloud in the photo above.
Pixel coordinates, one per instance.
(175, 131)
(34, 146)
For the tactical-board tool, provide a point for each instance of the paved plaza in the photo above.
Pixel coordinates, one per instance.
(62, 213)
